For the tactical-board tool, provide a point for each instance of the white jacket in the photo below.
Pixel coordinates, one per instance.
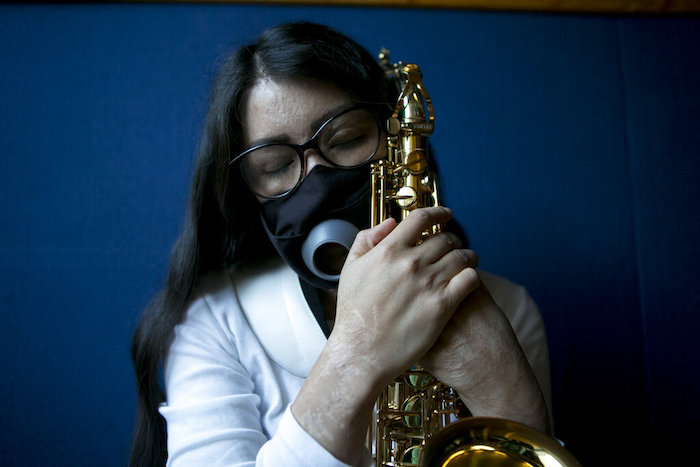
(238, 360)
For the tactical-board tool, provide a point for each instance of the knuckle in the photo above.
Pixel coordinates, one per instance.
(462, 256)
(446, 301)
(449, 240)
(408, 263)
(453, 239)
(391, 250)
(441, 242)
(420, 215)
(472, 277)
(427, 282)
(475, 257)
(361, 235)
(468, 257)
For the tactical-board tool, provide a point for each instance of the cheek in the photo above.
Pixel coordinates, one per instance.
(381, 151)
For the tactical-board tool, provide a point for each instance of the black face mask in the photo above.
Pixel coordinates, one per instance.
(313, 228)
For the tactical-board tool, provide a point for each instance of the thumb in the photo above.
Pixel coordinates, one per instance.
(368, 239)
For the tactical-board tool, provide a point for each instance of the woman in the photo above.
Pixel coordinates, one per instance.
(265, 360)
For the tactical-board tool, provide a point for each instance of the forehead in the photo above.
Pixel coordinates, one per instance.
(288, 110)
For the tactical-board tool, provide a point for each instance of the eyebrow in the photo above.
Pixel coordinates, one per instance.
(313, 127)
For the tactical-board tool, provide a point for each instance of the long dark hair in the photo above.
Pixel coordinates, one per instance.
(222, 227)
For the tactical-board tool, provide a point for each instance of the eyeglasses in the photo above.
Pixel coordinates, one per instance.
(346, 140)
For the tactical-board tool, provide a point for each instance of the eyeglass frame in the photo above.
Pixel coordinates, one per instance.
(312, 143)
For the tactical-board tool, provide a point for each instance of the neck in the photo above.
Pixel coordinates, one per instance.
(328, 301)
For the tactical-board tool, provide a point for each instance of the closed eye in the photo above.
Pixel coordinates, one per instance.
(347, 139)
(278, 171)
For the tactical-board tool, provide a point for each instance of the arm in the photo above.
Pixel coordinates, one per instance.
(479, 355)
(214, 411)
(394, 298)
(527, 323)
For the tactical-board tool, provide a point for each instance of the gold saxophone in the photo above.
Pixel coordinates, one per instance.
(419, 421)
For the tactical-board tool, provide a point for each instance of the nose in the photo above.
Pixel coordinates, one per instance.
(313, 159)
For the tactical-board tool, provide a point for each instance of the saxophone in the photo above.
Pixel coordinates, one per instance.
(418, 420)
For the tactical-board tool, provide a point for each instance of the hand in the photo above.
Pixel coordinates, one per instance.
(478, 354)
(395, 297)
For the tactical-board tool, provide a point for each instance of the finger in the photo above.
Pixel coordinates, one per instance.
(369, 238)
(409, 231)
(453, 263)
(464, 256)
(437, 246)
(461, 285)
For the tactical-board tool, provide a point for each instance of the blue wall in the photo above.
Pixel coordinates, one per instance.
(569, 146)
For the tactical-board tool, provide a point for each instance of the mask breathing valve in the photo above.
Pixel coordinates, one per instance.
(326, 247)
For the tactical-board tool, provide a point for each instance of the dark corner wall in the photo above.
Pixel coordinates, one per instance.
(569, 146)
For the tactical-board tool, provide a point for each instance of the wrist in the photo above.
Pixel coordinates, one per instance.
(516, 397)
(346, 383)
(348, 364)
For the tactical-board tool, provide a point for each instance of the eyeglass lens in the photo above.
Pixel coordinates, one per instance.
(347, 140)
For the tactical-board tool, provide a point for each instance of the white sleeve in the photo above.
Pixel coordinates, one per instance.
(212, 412)
(293, 446)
